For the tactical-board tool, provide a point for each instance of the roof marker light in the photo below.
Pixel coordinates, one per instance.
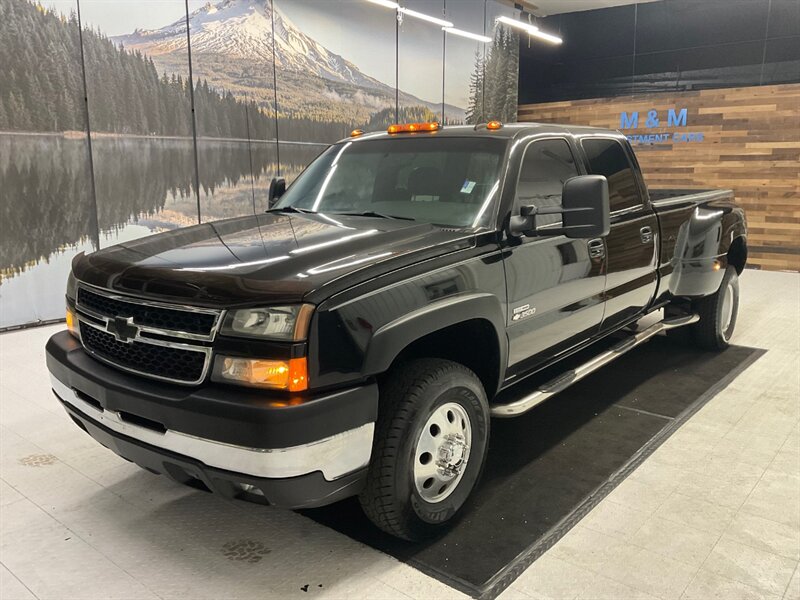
(356, 132)
(494, 125)
(412, 127)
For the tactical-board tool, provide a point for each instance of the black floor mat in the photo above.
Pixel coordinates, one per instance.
(548, 468)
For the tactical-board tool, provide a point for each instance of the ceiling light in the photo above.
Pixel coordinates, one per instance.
(547, 37)
(530, 29)
(386, 3)
(473, 36)
(424, 17)
(411, 13)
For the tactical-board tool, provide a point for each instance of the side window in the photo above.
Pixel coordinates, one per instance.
(607, 157)
(547, 164)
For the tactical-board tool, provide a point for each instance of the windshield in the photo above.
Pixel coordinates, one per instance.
(446, 181)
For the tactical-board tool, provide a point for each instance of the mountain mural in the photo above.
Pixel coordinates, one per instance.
(231, 44)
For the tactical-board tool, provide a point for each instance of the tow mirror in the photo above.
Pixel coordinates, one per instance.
(277, 187)
(584, 209)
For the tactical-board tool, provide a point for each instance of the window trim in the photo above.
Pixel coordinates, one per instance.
(625, 150)
(576, 162)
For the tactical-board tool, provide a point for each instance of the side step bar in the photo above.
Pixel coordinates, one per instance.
(563, 381)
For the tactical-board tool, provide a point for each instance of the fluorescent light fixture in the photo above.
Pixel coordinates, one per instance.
(386, 3)
(532, 30)
(412, 13)
(424, 17)
(466, 34)
(526, 27)
(547, 37)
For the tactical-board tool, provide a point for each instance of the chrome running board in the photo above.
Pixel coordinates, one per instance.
(563, 381)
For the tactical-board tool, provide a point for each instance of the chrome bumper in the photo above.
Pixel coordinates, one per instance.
(334, 456)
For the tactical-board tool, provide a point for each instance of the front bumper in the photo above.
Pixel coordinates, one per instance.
(294, 452)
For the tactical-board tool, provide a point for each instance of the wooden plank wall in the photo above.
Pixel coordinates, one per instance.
(751, 143)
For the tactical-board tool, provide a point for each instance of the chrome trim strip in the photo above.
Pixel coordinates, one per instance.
(335, 456)
(560, 383)
(206, 350)
(218, 314)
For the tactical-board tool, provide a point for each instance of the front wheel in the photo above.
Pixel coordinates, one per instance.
(718, 314)
(430, 446)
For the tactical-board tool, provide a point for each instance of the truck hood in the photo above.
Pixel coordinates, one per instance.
(265, 258)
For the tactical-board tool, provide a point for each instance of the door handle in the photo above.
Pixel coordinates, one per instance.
(597, 248)
(647, 234)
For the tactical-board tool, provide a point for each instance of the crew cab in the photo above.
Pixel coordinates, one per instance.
(354, 338)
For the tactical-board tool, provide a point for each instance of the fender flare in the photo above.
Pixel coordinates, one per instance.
(392, 338)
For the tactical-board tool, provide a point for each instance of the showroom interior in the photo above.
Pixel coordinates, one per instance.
(148, 158)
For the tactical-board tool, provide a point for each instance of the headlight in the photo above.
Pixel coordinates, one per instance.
(72, 286)
(273, 322)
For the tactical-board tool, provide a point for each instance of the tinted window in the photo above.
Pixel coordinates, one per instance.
(547, 164)
(607, 157)
(443, 180)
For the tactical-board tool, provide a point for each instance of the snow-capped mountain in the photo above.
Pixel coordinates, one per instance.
(231, 44)
(242, 29)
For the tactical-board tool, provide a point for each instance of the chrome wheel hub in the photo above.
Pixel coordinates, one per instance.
(727, 310)
(442, 452)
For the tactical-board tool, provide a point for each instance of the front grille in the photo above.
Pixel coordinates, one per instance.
(149, 315)
(186, 366)
(164, 341)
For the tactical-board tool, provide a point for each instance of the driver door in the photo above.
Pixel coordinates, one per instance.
(555, 284)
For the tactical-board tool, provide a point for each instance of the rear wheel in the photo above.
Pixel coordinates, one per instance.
(717, 314)
(430, 446)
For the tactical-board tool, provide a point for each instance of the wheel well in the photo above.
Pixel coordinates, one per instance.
(737, 254)
(471, 343)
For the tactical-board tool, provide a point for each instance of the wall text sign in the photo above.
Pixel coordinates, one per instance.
(653, 120)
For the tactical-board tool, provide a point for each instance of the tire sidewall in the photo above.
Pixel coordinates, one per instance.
(456, 387)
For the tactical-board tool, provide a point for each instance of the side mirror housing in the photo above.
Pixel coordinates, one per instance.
(587, 212)
(584, 208)
(277, 187)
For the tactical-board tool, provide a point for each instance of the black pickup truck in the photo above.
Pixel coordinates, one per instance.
(353, 339)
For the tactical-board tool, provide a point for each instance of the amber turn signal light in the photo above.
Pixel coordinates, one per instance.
(412, 127)
(72, 322)
(291, 375)
(494, 125)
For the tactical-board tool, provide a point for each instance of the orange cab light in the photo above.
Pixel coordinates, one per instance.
(411, 127)
(494, 125)
(356, 132)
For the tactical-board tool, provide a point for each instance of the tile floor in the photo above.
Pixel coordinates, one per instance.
(713, 513)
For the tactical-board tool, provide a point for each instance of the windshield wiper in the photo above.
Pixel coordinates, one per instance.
(372, 213)
(293, 209)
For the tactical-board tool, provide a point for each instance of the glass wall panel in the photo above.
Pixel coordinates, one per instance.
(234, 96)
(501, 65)
(463, 61)
(335, 73)
(47, 210)
(137, 73)
(420, 56)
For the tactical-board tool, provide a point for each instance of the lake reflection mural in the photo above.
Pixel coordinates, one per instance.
(272, 83)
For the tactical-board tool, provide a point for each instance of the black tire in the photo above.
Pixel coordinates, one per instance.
(711, 332)
(410, 395)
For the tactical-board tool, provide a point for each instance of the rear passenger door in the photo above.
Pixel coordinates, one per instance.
(631, 244)
(555, 284)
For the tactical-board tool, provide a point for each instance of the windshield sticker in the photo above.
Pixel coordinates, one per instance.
(467, 187)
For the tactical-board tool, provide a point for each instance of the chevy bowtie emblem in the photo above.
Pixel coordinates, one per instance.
(122, 328)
